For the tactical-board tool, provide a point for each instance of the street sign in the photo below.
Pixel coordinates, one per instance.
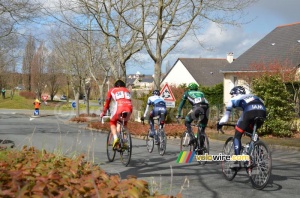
(44, 97)
(170, 104)
(73, 105)
(168, 96)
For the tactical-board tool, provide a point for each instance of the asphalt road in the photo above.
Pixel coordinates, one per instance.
(53, 132)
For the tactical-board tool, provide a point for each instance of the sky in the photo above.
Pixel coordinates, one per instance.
(266, 15)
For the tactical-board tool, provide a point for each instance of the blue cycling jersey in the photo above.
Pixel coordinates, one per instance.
(155, 101)
(246, 102)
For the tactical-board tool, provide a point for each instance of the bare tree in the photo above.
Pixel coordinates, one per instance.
(72, 58)
(38, 70)
(164, 23)
(54, 75)
(27, 62)
(119, 40)
(14, 12)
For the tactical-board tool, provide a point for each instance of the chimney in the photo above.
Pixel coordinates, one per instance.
(230, 57)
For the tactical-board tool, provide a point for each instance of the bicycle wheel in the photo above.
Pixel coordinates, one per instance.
(228, 169)
(126, 149)
(204, 149)
(162, 142)
(261, 165)
(149, 142)
(109, 148)
(184, 142)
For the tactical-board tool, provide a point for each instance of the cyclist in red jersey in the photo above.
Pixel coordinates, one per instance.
(118, 100)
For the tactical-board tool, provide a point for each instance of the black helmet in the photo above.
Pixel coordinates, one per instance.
(237, 90)
(156, 92)
(120, 83)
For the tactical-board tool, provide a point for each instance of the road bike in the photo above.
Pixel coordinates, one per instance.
(258, 167)
(196, 145)
(124, 147)
(160, 138)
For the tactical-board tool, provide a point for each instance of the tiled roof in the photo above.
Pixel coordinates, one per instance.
(280, 45)
(205, 70)
(147, 78)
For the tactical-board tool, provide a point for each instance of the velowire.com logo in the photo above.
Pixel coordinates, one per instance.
(188, 156)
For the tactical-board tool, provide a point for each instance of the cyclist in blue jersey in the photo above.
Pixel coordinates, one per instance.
(251, 105)
(199, 109)
(159, 109)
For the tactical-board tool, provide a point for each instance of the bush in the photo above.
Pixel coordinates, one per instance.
(34, 173)
(279, 105)
(28, 94)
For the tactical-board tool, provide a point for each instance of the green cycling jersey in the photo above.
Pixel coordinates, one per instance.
(194, 97)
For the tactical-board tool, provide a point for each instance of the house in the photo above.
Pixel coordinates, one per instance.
(203, 71)
(281, 45)
(140, 80)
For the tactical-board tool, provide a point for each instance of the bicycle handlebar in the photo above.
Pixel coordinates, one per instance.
(227, 124)
(102, 119)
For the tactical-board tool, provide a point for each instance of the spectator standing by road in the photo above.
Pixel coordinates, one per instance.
(37, 105)
(3, 93)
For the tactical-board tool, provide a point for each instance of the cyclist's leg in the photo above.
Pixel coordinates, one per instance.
(203, 113)
(113, 128)
(188, 121)
(242, 124)
(163, 113)
(151, 122)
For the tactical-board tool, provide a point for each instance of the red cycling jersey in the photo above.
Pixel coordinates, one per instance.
(119, 100)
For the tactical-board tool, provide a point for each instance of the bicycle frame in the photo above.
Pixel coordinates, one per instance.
(260, 164)
(161, 137)
(195, 146)
(125, 143)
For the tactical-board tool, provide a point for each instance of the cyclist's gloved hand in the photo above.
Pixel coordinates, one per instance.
(219, 126)
(101, 115)
(142, 119)
(178, 116)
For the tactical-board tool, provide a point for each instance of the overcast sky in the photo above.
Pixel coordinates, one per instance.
(266, 15)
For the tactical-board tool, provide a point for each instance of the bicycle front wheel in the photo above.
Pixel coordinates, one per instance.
(228, 169)
(162, 142)
(126, 149)
(149, 142)
(261, 165)
(109, 147)
(184, 142)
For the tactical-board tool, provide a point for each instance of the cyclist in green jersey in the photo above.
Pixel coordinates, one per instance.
(199, 110)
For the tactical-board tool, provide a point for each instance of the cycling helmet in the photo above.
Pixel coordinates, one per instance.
(237, 90)
(120, 83)
(193, 86)
(156, 92)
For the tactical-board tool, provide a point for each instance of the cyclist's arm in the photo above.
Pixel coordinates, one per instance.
(107, 102)
(181, 104)
(147, 107)
(226, 116)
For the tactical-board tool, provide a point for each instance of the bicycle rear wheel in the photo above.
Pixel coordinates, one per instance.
(126, 149)
(162, 142)
(261, 164)
(149, 142)
(228, 168)
(204, 149)
(109, 147)
(184, 142)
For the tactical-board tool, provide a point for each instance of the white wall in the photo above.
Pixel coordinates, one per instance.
(178, 75)
(229, 84)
